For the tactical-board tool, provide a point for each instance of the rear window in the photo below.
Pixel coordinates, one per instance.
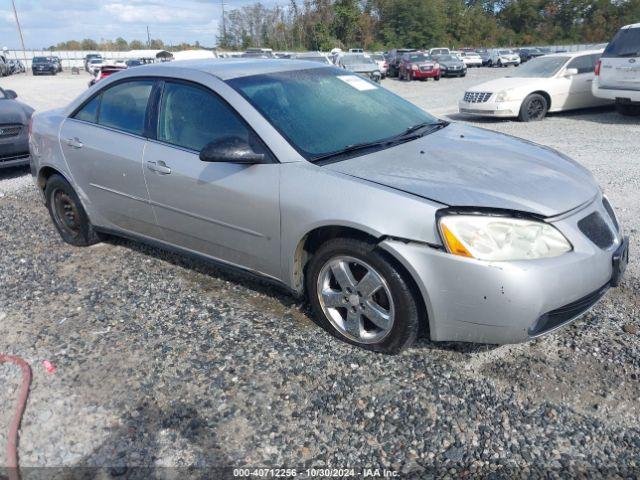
(626, 43)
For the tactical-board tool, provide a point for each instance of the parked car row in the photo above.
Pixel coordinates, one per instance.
(564, 81)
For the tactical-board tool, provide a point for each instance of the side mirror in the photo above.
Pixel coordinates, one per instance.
(230, 150)
(10, 94)
(570, 72)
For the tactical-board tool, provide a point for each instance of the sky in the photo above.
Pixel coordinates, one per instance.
(47, 22)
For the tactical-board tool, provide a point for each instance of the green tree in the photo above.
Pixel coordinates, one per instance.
(121, 44)
(88, 44)
(346, 15)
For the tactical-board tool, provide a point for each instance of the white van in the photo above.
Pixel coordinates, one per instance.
(618, 71)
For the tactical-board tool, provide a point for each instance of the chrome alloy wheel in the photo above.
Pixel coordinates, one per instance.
(356, 299)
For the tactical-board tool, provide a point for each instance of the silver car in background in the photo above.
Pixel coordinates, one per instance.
(389, 220)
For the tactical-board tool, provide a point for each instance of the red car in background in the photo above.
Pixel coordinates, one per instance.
(418, 66)
(105, 71)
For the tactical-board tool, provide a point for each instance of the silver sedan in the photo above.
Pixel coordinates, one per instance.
(391, 221)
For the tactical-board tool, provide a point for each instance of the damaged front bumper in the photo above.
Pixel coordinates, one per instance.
(510, 302)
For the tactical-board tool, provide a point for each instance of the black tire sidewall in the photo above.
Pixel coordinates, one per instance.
(523, 116)
(87, 235)
(407, 311)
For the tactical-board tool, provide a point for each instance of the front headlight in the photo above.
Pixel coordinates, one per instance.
(497, 238)
(502, 96)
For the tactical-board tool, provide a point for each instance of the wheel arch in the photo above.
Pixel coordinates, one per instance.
(45, 173)
(312, 240)
(544, 94)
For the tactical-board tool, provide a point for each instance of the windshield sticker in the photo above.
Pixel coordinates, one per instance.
(357, 82)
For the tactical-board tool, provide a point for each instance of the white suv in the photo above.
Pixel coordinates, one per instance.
(503, 57)
(618, 71)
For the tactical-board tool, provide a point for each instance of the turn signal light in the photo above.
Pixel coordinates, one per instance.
(598, 64)
(455, 246)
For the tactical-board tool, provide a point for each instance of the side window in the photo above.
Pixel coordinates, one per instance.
(584, 64)
(124, 106)
(191, 117)
(89, 113)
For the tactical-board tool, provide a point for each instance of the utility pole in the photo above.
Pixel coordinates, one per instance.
(148, 38)
(24, 51)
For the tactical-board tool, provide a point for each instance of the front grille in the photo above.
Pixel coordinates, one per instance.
(426, 69)
(559, 316)
(596, 230)
(477, 97)
(9, 130)
(607, 206)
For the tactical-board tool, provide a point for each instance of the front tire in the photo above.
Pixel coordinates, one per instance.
(534, 108)
(67, 213)
(361, 297)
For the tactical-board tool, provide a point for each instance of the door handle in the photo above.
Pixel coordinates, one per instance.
(74, 142)
(159, 167)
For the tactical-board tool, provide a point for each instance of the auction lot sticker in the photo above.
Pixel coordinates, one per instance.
(357, 82)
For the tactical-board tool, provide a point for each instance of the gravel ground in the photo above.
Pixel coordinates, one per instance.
(163, 362)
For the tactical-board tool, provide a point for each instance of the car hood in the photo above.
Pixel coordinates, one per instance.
(450, 63)
(506, 83)
(12, 111)
(471, 167)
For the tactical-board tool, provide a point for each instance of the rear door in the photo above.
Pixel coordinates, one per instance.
(580, 95)
(224, 210)
(103, 143)
(620, 68)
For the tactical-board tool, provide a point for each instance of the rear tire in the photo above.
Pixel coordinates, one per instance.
(533, 108)
(382, 314)
(67, 213)
(628, 110)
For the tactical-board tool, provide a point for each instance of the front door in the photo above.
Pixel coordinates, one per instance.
(224, 210)
(103, 144)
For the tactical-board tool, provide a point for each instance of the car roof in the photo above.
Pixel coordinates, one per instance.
(633, 25)
(228, 68)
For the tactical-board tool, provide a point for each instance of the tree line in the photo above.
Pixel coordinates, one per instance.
(120, 45)
(384, 24)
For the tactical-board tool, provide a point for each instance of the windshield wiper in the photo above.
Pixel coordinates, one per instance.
(406, 136)
(352, 148)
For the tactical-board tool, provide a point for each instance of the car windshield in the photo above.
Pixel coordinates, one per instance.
(356, 60)
(321, 111)
(446, 58)
(96, 60)
(40, 59)
(418, 57)
(626, 43)
(439, 51)
(540, 67)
